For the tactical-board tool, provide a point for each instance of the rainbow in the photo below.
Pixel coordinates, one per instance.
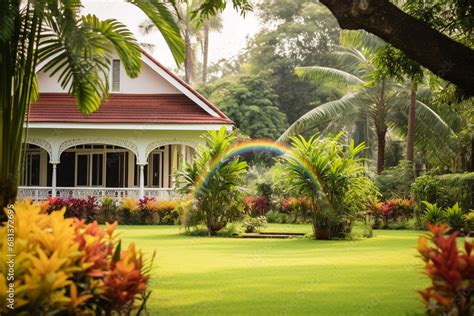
(252, 146)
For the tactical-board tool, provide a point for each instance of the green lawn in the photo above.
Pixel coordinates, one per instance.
(229, 276)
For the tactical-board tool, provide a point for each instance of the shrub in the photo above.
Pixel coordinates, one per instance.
(107, 211)
(455, 217)
(375, 210)
(256, 205)
(367, 232)
(254, 224)
(469, 218)
(406, 208)
(330, 173)
(395, 181)
(283, 218)
(298, 209)
(272, 216)
(214, 182)
(264, 189)
(147, 206)
(167, 213)
(433, 214)
(230, 230)
(128, 211)
(148, 211)
(445, 190)
(64, 266)
(451, 272)
(86, 209)
(393, 210)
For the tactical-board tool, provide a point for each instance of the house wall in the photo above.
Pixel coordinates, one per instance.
(147, 82)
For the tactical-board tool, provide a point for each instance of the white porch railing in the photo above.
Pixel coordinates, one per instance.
(42, 193)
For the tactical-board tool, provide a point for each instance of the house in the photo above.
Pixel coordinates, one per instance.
(131, 146)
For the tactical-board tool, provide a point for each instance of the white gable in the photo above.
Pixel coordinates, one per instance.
(147, 82)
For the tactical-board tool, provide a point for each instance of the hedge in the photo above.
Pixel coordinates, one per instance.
(445, 190)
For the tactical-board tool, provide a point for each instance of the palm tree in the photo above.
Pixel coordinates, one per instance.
(213, 23)
(371, 98)
(195, 30)
(189, 26)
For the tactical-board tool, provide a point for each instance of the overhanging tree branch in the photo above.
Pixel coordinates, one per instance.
(445, 57)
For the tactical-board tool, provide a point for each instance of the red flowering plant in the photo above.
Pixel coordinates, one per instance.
(375, 209)
(118, 278)
(451, 271)
(391, 210)
(406, 208)
(67, 267)
(388, 211)
(79, 208)
(297, 207)
(146, 207)
(257, 205)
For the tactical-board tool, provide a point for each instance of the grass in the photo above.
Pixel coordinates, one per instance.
(229, 276)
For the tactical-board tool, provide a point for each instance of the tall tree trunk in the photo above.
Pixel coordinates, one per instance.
(205, 51)
(411, 123)
(381, 128)
(188, 65)
(381, 134)
(17, 75)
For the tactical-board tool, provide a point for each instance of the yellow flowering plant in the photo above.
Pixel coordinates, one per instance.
(65, 266)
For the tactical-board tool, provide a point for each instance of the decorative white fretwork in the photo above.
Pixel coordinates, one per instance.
(156, 144)
(43, 143)
(98, 140)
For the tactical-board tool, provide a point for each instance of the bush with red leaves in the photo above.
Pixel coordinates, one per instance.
(86, 209)
(257, 205)
(451, 271)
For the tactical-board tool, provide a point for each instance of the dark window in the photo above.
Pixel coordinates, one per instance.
(82, 170)
(31, 172)
(65, 170)
(156, 171)
(97, 169)
(117, 170)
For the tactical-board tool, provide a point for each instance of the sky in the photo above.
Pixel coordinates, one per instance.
(225, 44)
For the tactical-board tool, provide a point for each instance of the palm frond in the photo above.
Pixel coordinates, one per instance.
(326, 73)
(122, 40)
(158, 12)
(431, 131)
(7, 21)
(364, 41)
(321, 114)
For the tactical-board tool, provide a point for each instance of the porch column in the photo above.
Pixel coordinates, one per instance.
(183, 156)
(53, 178)
(142, 181)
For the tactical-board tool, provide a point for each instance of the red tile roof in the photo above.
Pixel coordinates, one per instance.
(187, 86)
(125, 108)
